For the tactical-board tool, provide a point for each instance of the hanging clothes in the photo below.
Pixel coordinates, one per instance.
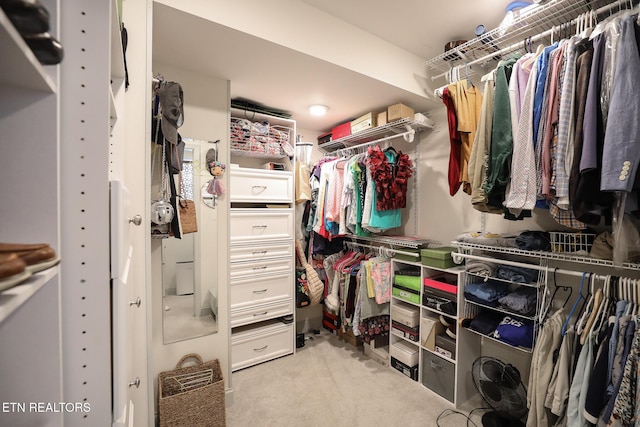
(455, 143)
(468, 102)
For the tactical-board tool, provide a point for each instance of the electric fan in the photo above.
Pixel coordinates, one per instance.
(500, 386)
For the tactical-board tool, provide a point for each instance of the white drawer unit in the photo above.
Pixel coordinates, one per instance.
(261, 267)
(253, 225)
(261, 186)
(259, 313)
(263, 251)
(254, 290)
(256, 345)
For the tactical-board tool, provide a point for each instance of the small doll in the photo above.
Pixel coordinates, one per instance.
(216, 169)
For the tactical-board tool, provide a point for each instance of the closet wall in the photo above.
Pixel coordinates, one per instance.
(206, 101)
(443, 217)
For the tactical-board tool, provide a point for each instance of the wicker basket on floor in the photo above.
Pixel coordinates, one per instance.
(192, 396)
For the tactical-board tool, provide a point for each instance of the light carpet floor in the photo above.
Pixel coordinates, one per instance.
(331, 383)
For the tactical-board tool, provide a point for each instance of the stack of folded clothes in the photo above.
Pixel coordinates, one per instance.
(517, 274)
(487, 293)
(19, 261)
(521, 301)
(508, 329)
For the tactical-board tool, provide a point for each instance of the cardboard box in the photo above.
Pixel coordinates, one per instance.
(348, 337)
(324, 138)
(405, 352)
(409, 371)
(406, 314)
(378, 354)
(438, 257)
(446, 346)
(431, 327)
(412, 334)
(341, 131)
(406, 294)
(399, 111)
(382, 119)
(364, 122)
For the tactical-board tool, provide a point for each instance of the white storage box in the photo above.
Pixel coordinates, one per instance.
(405, 313)
(405, 352)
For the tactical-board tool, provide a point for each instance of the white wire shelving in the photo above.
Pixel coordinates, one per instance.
(465, 247)
(404, 127)
(556, 18)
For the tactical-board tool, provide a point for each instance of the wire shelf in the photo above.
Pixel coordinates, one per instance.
(373, 134)
(558, 256)
(528, 22)
(403, 241)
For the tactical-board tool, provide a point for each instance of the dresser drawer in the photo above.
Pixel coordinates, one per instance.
(260, 290)
(258, 313)
(261, 186)
(260, 267)
(251, 225)
(256, 345)
(264, 251)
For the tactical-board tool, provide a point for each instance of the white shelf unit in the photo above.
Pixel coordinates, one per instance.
(445, 375)
(30, 313)
(262, 269)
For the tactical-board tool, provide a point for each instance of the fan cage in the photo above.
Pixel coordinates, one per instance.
(500, 386)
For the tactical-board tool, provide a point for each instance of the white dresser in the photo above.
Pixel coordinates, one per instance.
(262, 279)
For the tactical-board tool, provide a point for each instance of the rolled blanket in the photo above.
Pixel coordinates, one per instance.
(489, 239)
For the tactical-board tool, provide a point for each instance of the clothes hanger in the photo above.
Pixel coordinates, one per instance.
(585, 310)
(575, 304)
(598, 303)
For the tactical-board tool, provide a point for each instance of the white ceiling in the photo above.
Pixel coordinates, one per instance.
(286, 79)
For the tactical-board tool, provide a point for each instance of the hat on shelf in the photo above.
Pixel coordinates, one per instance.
(172, 104)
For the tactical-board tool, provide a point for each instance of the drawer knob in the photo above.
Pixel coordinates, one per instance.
(263, 187)
(261, 348)
(259, 226)
(261, 291)
(259, 252)
(135, 383)
(260, 314)
(264, 267)
(137, 302)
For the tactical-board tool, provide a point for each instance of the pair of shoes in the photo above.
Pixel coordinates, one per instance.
(451, 330)
(446, 321)
(12, 271)
(36, 256)
(31, 20)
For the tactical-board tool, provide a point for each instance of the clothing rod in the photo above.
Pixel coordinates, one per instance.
(410, 132)
(537, 37)
(523, 265)
(397, 251)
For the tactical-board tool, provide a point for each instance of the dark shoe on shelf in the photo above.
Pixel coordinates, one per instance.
(28, 16)
(12, 271)
(45, 47)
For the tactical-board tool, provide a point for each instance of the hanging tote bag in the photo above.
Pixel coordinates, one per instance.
(192, 395)
(316, 287)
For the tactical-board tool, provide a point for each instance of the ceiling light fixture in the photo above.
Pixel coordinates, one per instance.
(318, 110)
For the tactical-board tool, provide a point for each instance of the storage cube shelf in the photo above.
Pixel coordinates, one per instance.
(418, 335)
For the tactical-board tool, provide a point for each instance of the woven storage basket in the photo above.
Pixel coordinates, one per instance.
(192, 396)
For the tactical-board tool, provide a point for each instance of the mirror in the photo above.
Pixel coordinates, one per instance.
(189, 289)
